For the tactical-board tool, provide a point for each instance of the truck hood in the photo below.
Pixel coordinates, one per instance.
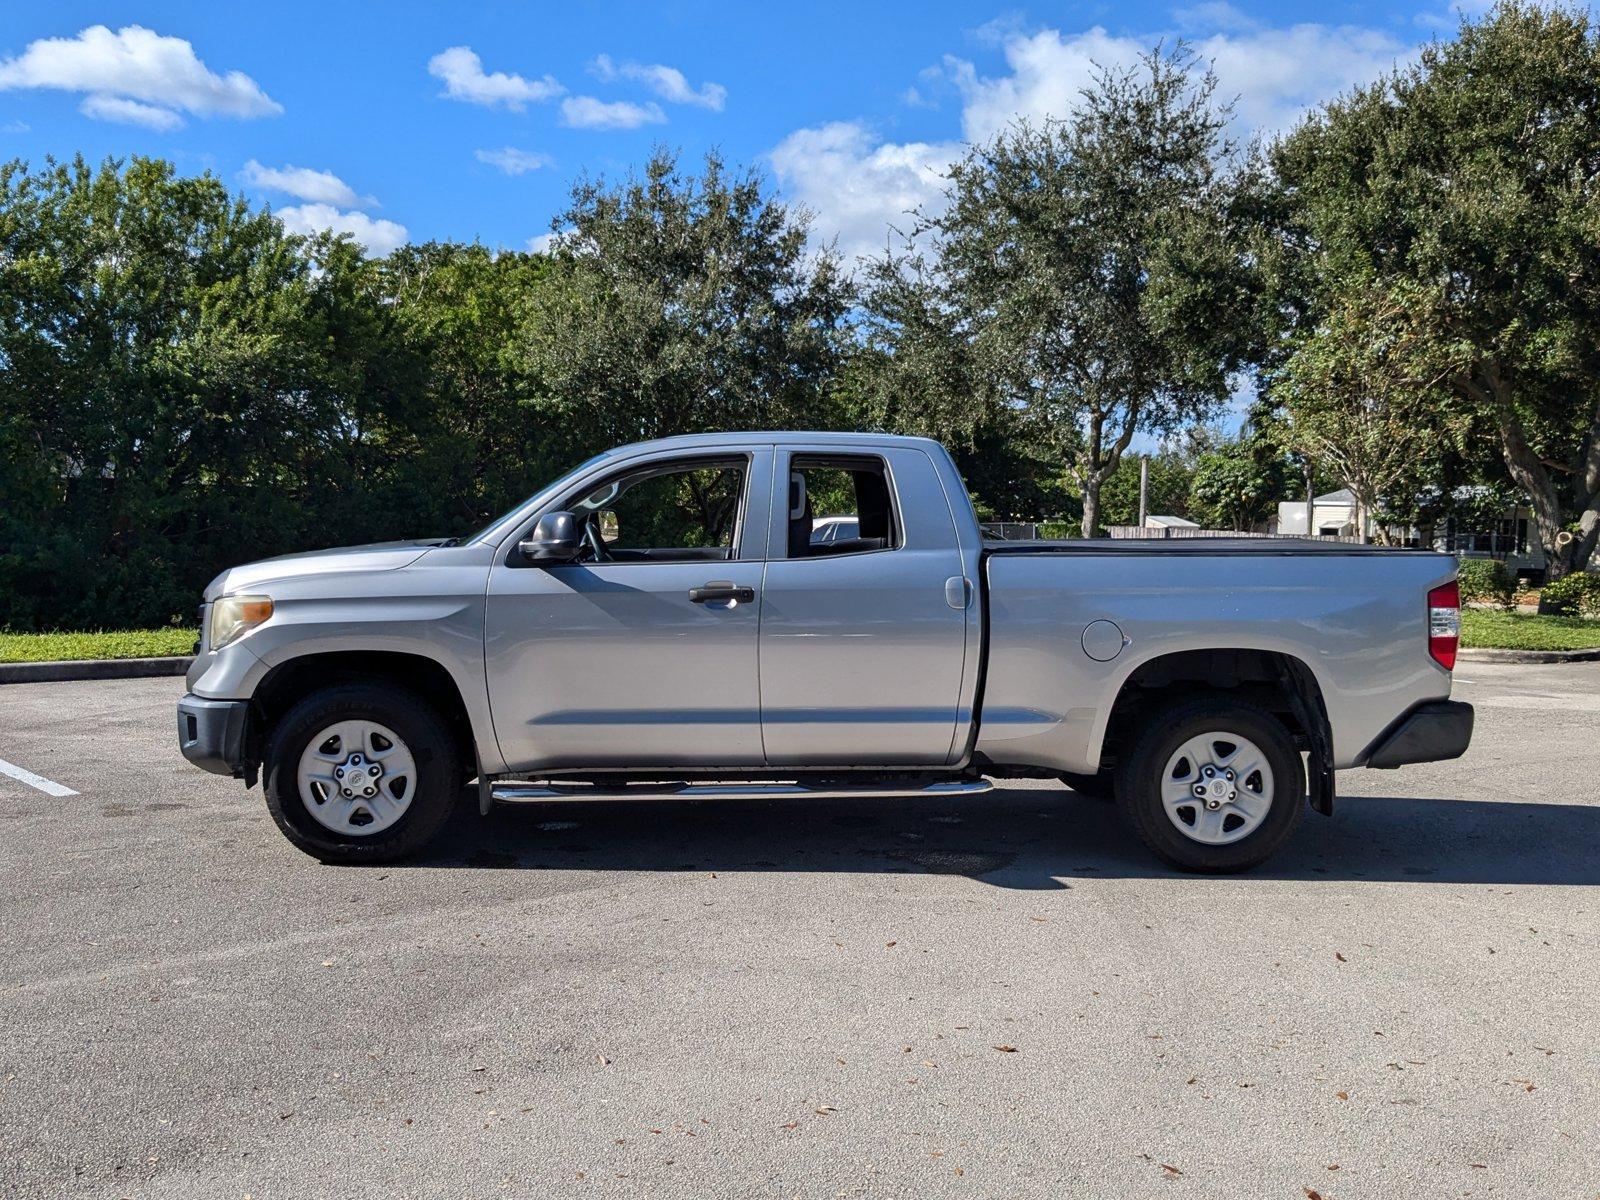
(379, 556)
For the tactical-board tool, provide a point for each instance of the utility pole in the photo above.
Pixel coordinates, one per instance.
(1311, 503)
(1144, 488)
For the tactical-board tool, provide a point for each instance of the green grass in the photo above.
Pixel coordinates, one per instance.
(125, 643)
(1487, 629)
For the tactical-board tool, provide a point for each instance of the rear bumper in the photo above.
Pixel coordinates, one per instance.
(211, 733)
(1431, 732)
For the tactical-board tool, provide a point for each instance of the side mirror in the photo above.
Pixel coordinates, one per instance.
(554, 539)
(610, 528)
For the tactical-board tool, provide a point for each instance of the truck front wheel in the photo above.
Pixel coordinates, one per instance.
(361, 773)
(1212, 785)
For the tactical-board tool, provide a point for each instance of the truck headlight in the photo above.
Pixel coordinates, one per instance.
(234, 616)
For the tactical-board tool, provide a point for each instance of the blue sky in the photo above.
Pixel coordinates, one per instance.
(419, 120)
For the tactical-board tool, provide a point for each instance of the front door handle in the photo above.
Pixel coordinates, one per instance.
(719, 589)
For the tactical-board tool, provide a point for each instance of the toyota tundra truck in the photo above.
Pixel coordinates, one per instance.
(757, 614)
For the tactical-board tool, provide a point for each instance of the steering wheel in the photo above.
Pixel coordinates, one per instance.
(595, 543)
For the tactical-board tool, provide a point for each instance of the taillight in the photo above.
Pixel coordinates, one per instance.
(1444, 623)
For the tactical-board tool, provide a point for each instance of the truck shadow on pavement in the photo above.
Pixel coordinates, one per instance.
(1032, 839)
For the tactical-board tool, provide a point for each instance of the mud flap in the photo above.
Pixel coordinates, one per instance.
(1305, 698)
(1319, 786)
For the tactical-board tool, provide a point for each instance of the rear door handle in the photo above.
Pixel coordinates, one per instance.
(719, 589)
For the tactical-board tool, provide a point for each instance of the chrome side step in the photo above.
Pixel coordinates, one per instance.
(517, 793)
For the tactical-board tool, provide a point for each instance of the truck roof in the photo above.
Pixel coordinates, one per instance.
(780, 437)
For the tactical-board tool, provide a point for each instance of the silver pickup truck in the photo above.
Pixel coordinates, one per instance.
(796, 613)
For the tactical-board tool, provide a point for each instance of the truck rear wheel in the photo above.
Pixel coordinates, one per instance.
(361, 773)
(1212, 785)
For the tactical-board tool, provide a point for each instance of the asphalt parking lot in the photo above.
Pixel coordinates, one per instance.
(996, 996)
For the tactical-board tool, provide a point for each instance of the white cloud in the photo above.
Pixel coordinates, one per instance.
(378, 236)
(513, 161)
(1280, 75)
(585, 112)
(464, 79)
(304, 183)
(128, 112)
(135, 75)
(543, 243)
(1275, 74)
(667, 82)
(859, 184)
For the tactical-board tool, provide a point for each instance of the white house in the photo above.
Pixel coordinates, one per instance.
(1333, 515)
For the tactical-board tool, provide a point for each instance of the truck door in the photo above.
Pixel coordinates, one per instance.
(863, 639)
(643, 652)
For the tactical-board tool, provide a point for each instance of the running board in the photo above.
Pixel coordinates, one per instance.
(518, 793)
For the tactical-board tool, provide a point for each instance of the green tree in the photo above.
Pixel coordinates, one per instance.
(1238, 484)
(1087, 275)
(1171, 474)
(677, 303)
(1471, 179)
(1363, 399)
(476, 442)
(157, 351)
(183, 386)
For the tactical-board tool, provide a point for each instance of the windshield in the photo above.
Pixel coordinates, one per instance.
(489, 528)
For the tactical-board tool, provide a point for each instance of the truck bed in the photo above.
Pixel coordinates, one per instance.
(1355, 616)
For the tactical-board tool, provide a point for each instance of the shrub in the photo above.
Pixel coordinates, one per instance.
(1571, 595)
(1486, 580)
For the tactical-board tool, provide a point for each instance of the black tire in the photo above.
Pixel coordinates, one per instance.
(1139, 780)
(1099, 787)
(418, 725)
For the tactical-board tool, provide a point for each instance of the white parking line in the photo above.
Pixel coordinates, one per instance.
(48, 786)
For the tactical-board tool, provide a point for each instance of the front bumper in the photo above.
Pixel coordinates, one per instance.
(1431, 732)
(211, 733)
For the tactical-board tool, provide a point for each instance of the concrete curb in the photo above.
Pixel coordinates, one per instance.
(105, 668)
(1529, 656)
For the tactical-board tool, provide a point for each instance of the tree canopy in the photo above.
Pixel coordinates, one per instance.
(1469, 185)
(1089, 275)
(678, 303)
